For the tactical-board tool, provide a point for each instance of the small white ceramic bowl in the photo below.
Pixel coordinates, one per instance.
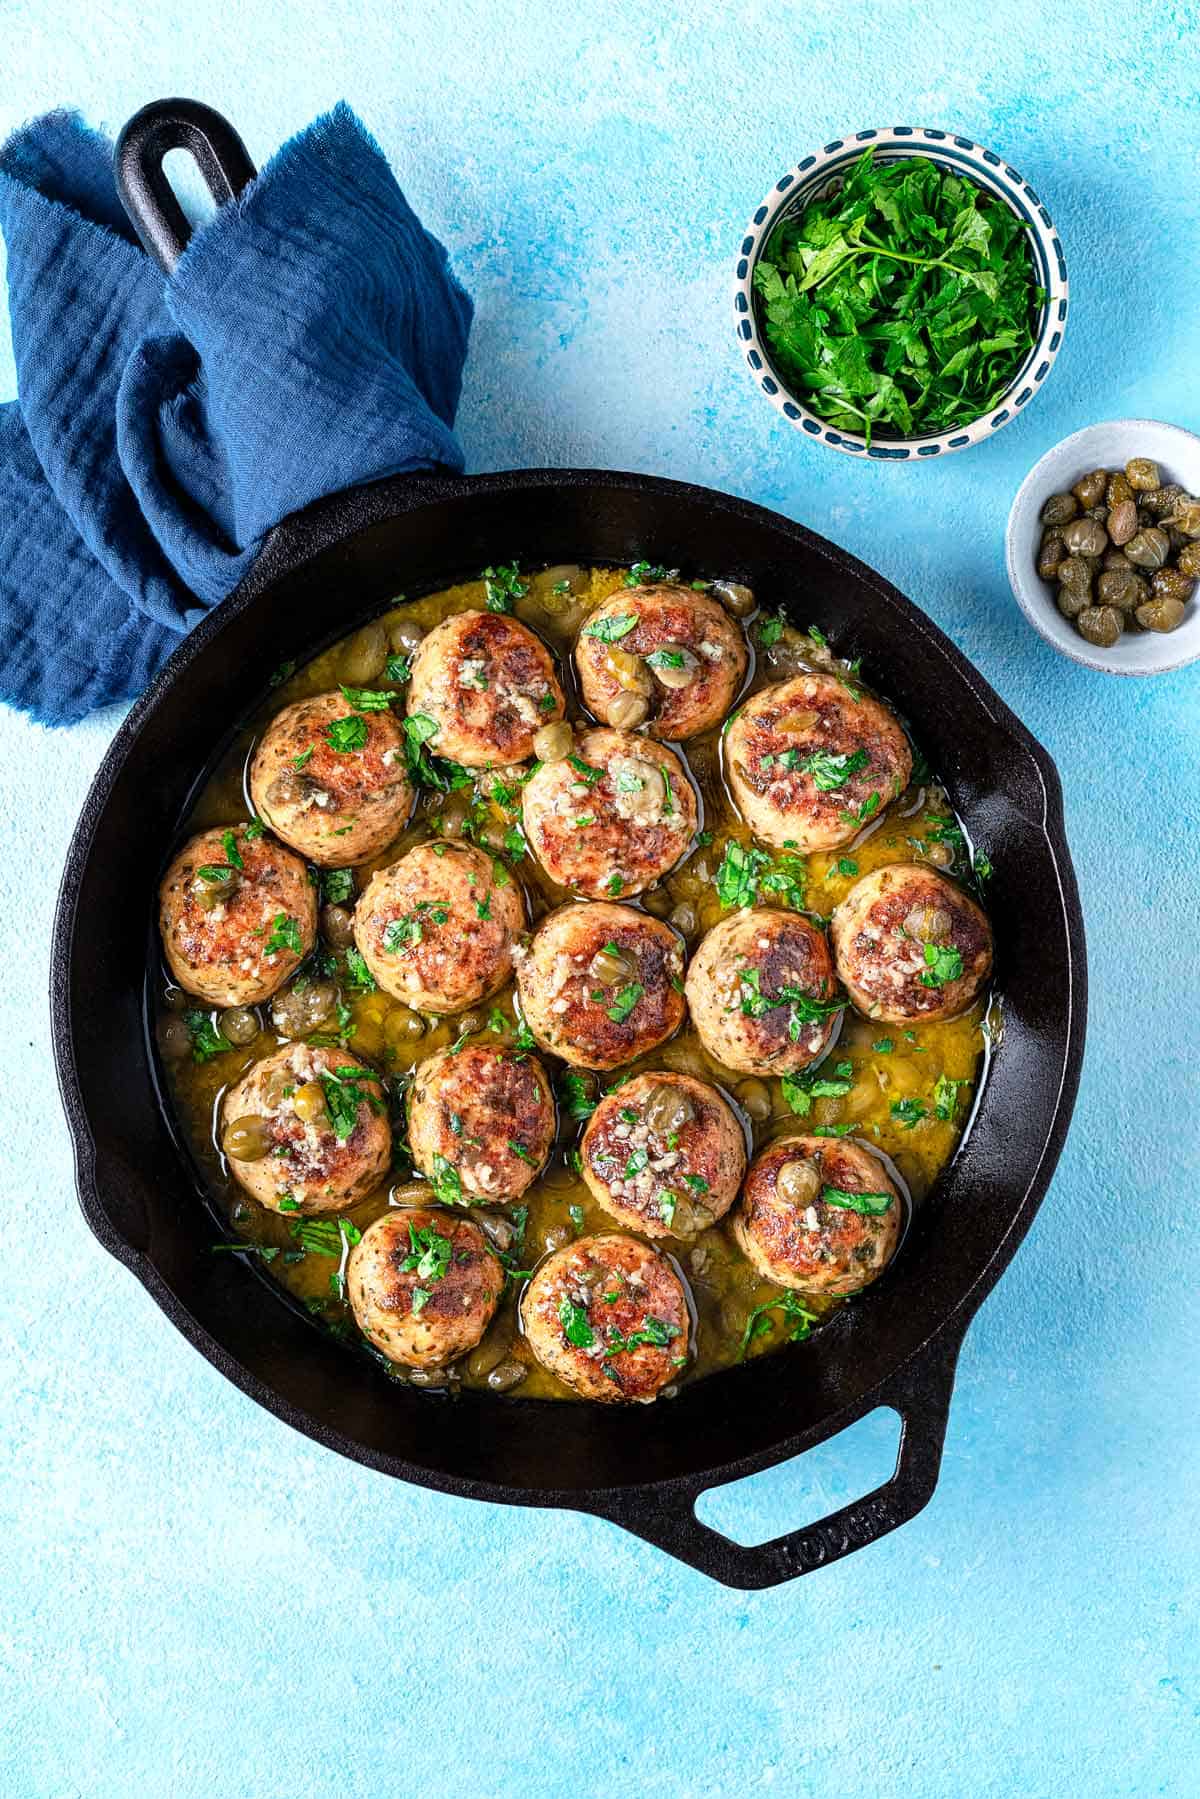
(1110, 446)
(828, 167)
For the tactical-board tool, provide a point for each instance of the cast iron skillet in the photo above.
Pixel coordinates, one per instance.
(320, 573)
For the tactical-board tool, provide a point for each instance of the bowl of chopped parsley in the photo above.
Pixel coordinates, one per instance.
(900, 294)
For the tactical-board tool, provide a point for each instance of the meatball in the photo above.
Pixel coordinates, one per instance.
(481, 1120)
(818, 1215)
(306, 1130)
(810, 761)
(436, 929)
(611, 818)
(238, 914)
(911, 947)
(609, 1316)
(664, 1155)
(600, 984)
(488, 684)
(423, 1286)
(665, 656)
(332, 781)
(761, 993)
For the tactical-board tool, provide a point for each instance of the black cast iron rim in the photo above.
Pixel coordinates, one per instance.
(661, 1511)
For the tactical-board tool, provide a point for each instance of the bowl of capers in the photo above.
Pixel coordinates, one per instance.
(1104, 547)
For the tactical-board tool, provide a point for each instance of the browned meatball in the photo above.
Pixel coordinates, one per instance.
(437, 928)
(611, 818)
(488, 684)
(600, 984)
(332, 781)
(306, 1130)
(609, 1317)
(423, 1286)
(818, 1215)
(664, 1155)
(761, 993)
(911, 946)
(238, 914)
(482, 1120)
(676, 651)
(810, 761)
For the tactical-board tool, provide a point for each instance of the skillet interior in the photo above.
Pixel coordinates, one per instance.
(319, 575)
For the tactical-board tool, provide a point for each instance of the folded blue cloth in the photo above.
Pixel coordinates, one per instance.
(311, 337)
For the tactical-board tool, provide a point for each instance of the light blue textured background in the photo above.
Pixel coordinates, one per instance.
(199, 1604)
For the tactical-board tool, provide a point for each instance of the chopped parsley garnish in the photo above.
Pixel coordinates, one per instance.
(305, 757)
(665, 659)
(981, 867)
(575, 1214)
(547, 703)
(255, 828)
(397, 668)
(642, 572)
(638, 1162)
(367, 699)
(576, 1095)
(745, 873)
(770, 629)
(668, 796)
(587, 774)
(909, 1112)
(667, 1202)
(483, 907)
(574, 1320)
(520, 1150)
(215, 872)
(805, 1008)
(345, 735)
(560, 587)
(337, 885)
(207, 1040)
(627, 782)
(285, 935)
(420, 1298)
(410, 928)
(867, 810)
(232, 853)
(884, 1047)
(945, 1097)
(696, 1182)
(625, 1001)
(614, 884)
(343, 1097)
(431, 771)
(611, 630)
(359, 975)
(447, 1182)
(941, 965)
(829, 772)
(503, 585)
(656, 1333)
(796, 1315)
(799, 1090)
(872, 1205)
(429, 1254)
(282, 673)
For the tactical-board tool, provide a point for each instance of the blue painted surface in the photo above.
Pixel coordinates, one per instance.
(200, 1605)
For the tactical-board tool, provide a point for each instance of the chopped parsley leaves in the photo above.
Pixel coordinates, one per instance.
(796, 1315)
(941, 965)
(447, 1182)
(367, 699)
(872, 1205)
(576, 1095)
(285, 935)
(337, 885)
(799, 1090)
(574, 1320)
(503, 585)
(346, 735)
(357, 973)
(655, 1333)
(909, 1112)
(207, 1040)
(611, 630)
(625, 1001)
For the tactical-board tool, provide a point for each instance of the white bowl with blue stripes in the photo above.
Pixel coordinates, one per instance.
(813, 178)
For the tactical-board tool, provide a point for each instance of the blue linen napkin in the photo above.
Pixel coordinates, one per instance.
(311, 337)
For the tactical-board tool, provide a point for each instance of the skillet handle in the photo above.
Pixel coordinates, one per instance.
(142, 185)
(920, 1392)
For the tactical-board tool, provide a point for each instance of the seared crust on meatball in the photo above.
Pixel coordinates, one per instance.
(911, 946)
(601, 984)
(318, 1124)
(423, 1286)
(488, 684)
(336, 805)
(761, 993)
(224, 902)
(802, 1229)
(809, 763)
(487, 1114)
(436, 929)
(664, 1155)
(619, 805)
(667, 621)
(589, 1301)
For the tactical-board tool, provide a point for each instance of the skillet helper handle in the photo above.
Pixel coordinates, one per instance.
(920, 1392)
(142, 185)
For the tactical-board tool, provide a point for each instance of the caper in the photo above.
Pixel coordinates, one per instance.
(454, 816)
(627, 670)
(798, 1183)
(303, 1007)
(684, 918)
(363, 658)
(429, 1377)
(667, 1110)
(754, 1097)
(496, 1228)
(1122, 521)
(1119, 588)
(291, 788)
(1085, 537)
(1188, 560)
(1101, 625)
(276, 1085)
(1059, 508)
(337, 926)
(409, 1193)
(557, 1237)
(403, 1026)
(309, 1102)
(1118, 489)
(1089, 489)
(1142, 474)
(1075, 585)
(1171, 584)
(213, 885)
(506, 1375)
(404, 635)
(673, 666)
(469, 1023)
(553, 743)
(610, 966)
(1160, 615)
(239, 1024)
(735, 598)
(1185, 518)
(628, 711)
(1149, 549)
(493, 1349)
(1050, 553)
(940, 854)
(248, 1139)
(658, 902)
(174, 1039)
